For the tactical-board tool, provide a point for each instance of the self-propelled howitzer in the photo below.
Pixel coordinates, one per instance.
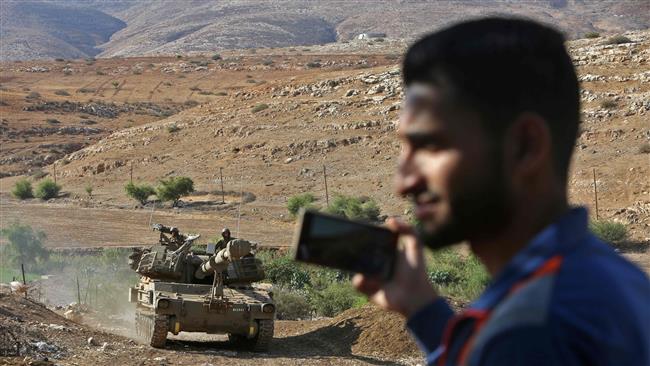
(190, 290)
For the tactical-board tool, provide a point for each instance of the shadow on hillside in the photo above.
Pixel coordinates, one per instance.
(630, 246)
(330, 341)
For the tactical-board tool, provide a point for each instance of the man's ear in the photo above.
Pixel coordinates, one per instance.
(527, 147)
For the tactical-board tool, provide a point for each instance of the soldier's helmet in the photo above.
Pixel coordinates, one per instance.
(225, 230)
(174, 230)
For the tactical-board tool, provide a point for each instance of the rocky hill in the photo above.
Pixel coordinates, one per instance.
(271, 122)
(36, 30)
(78, 28)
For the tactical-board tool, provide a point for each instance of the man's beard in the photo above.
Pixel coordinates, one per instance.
(479, 211)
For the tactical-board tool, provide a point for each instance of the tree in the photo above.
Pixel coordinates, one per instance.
(139, 192)
(295, 203)
(47, 189)
(25, 245)
(22, 189)
(174, 188)
(354, 208)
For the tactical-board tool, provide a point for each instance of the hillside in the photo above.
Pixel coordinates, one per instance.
(80, 28)
(272, 121)
(37, 30)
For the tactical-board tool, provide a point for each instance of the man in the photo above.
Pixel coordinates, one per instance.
(488, 128)
(225, 239)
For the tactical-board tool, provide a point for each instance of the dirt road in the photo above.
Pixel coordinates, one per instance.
(349, 339)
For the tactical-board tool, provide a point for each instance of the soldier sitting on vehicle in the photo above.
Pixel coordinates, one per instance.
(174, 240)
(225, 239)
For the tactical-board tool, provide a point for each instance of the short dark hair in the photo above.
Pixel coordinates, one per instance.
(500, 68)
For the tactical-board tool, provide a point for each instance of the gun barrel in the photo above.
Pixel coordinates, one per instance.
(234, 250)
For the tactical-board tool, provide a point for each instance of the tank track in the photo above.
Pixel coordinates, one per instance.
(151, 328)
(262, 339)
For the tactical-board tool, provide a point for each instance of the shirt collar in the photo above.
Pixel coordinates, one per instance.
(558, 238)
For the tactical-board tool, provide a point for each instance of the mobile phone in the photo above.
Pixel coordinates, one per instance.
(339, 243)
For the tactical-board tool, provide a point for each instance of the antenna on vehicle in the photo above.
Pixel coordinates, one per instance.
(241, 198)
(151, 215)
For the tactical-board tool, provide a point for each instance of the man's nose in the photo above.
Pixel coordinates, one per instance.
(408, 179)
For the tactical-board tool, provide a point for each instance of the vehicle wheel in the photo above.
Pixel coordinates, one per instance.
(262, 339)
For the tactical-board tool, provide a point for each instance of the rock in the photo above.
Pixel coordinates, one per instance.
(376, 89)
(351, 92)
(289, 160)
(105, 346)
(92, 342)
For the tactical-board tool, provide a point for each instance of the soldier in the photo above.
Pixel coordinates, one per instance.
(174, 241)
(225, 238)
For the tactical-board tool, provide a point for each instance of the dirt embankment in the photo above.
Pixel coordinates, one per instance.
(31, 334)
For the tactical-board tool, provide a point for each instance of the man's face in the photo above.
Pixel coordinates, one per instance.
(450, 169)
(226, 235)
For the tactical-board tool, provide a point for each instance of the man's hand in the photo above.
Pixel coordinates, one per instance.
(409, 289)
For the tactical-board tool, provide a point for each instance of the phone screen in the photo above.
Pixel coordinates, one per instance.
(343, 244)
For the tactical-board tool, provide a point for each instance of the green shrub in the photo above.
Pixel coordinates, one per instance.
(336, 298)
(22, 189)
(115, 84)
(25, 246)
(295, 203)
(592, 35)
(139, 192)
(457, 275)
(291, 305)
(259, 107)
(216, 57)
(174, 188)
(173, 128)
(47, 189)
(62, 92)
(609, 231)
(618, 39)
(285, 272)
(354, 208)
(89, 190)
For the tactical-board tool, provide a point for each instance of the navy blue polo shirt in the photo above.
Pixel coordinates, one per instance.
(594, 310)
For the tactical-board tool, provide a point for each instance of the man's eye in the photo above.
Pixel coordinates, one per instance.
(428, 145)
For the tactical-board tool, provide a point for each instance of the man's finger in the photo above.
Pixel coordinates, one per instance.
(366, 285)
(399, 226)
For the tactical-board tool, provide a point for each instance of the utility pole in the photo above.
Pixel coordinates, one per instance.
(596, 195)
(78, 293)
(54, 167)
(22, 268)
(327, 196)
(131, 176)
(223, 194)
